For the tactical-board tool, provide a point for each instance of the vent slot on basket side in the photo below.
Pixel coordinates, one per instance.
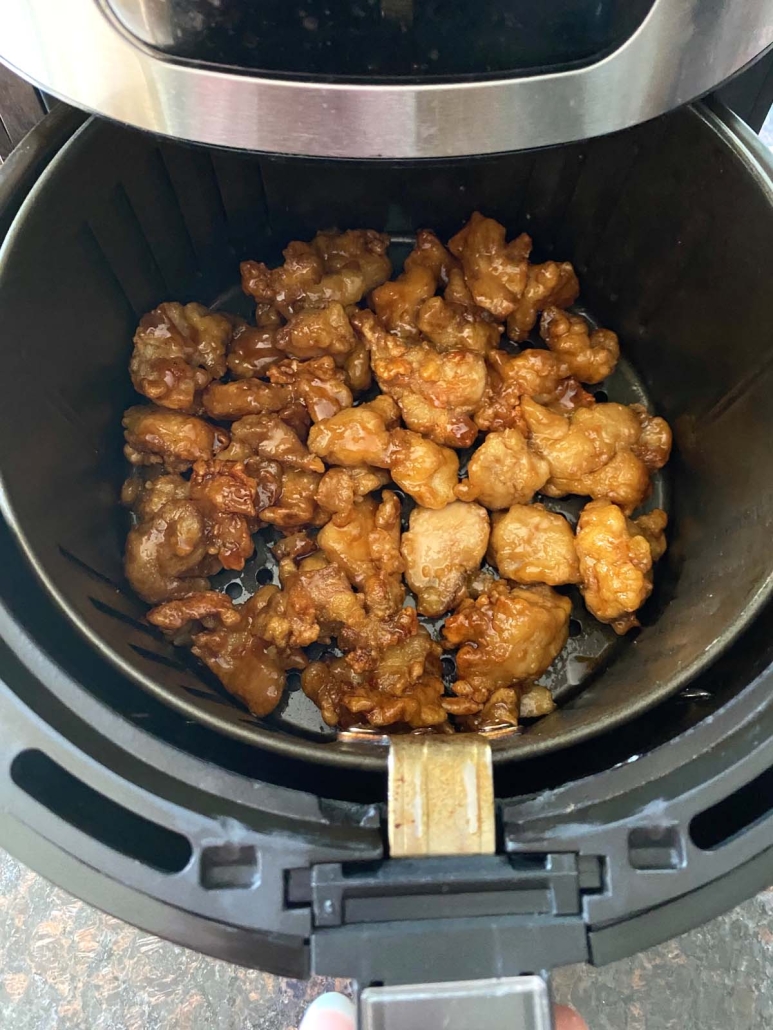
(734, 815)
(98, 816)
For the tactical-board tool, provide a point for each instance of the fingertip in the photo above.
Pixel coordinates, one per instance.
(568, 1019)
(330, 1011)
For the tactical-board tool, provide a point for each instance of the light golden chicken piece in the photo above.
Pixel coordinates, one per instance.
(591, 355)
(341, 488)
(404, 689)
(441, 549)
(503, 471)
(436, 392)
(365, 544)
(397, 303)
(532, 545)
(510, 636)
(450, 327)
(269, 438)
(157, 436)
(230, 643)
(357, 368)
(356, 436)
(333, 268)
(317, 384)
(318, 332)
(616, 557)
(495, 272)
(252, 351)
(550, 284)
(425, 470)
(178, 350)
(593, 451)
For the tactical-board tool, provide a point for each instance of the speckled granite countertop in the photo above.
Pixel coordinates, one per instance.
(65, 966)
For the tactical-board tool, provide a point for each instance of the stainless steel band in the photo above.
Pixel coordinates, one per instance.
(75, 50)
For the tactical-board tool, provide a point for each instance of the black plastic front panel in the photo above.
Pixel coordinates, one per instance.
(385, 39)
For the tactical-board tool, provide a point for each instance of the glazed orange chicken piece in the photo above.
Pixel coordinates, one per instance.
(356, 436)
(616, 556)
(252, 351)
(550, 284)
(503, 471)
(228, 639)
(317, 384)
(167, 551)
(591, 355)
(599, 451)
(269, 438)
(340, 488)
(334, 268)
(397, 303)
(425, 470)
(441, 549)
(405, 688)
(495, 271)
(534, 373)
(229, 401)
(436, 392)
(157, 436)
(296, 505)
(225, 495)
(365, 544)
(178, 350)
(315, 333)
(532, 545)
(509, 636)
(450, 326)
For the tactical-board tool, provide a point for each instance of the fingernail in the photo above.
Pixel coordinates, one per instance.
(330, 1011)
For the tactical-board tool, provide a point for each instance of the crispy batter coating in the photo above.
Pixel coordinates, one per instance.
(405, 688)
(356, 436)
(357, 368)
(269, 438)
(510, 636)
(340, 488)
(616, 559)
(318, 384)
(591, 355)
(365, 544)
(178, 349)
(232, 646)
(333, 268)
(252, 351)
(654, 443)
(441, 549)
(551, 284)
(156, 436)
(495, 272)
(532, 545)
(424, 469)
(593, 450)
(315, 333)
(436, 392)
(503, 471)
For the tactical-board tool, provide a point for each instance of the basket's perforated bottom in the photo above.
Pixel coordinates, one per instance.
(591, 645)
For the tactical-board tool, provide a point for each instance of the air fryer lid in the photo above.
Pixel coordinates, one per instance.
(382, 78)
(660, 257)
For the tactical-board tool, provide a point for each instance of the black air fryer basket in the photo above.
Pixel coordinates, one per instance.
(641, 807)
